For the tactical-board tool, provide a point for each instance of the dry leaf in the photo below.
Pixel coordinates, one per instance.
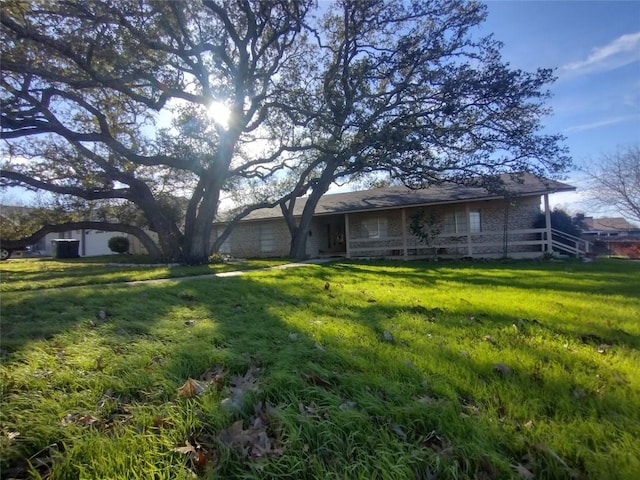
(214, 377)
(490, 339)
(388, 337)
(523, 471)
(186, 450)
(160, 422)
(253, 442)
(191, 388)
(502, 368)
(348, 405)
(398, 430)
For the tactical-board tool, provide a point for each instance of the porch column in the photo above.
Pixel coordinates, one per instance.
(347, 240)
(405, 252)
(469, 246)
(547, 216)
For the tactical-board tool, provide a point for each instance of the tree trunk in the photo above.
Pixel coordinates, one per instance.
(300, 233)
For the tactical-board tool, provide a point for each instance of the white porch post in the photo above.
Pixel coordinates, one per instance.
(405, 252)
(547, 216)
(347, 239)
(468, 214)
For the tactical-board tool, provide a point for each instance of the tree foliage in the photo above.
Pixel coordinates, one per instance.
(406, 89)
(614, 182)
(85, 86)
(562, 221)
(109, 101)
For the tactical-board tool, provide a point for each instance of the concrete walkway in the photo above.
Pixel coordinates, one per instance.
(313, 261)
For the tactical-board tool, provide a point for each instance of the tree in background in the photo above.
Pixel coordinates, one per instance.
(614, 182)
(562, 221)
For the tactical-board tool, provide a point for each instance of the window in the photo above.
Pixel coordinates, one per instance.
(267, 238)
(474, 221)
(374, 228)
(458, 222)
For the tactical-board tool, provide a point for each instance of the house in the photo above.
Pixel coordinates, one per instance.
(465, 222)
(90, 242)
(612, 236)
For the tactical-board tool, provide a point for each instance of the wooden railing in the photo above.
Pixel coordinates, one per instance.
(569, 244)
(529, 242)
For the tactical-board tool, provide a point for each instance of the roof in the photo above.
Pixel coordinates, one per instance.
(615, 224)
(401, 196)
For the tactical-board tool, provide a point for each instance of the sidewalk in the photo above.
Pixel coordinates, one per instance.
(313, 261)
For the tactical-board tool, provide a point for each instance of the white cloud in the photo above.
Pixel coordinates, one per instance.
(617, 53)
(601, 123)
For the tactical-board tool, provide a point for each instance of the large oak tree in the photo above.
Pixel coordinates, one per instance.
(84, 85)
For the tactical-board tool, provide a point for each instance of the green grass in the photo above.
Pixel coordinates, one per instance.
(36, 274)
(320, 391)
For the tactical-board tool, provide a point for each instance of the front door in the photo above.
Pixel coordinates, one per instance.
(335, 235)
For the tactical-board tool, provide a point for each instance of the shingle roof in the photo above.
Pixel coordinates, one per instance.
(608, 224)
(401, 196)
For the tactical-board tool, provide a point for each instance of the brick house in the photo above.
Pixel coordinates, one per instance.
(464, 221)
(612, 236)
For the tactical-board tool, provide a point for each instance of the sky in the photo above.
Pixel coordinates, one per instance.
(594, 48)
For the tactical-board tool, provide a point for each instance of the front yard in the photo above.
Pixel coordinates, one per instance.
(348, 370)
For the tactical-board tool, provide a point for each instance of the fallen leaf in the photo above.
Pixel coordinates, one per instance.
(502, 368)
(523, 471)
(603, 348)
(160, 422)
(214, 377)
(327, 286)
(348, 405)
(315, 379)
(191, 388)
(579, 393)
(388, 337)
(490, 339)
(398, 430)
(190, 323)
(87, 420)
(317, 346)
(186, 450)
(12, 435)
(254, 441)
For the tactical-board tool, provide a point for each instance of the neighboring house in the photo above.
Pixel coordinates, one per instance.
(91, 242)
(375, 223)
(612, 236)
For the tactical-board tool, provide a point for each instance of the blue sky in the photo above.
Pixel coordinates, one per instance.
(595, 48)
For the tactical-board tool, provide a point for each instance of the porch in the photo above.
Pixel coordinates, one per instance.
(520, 243)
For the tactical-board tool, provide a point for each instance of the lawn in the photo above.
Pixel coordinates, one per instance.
(39, 273)
(348, 370)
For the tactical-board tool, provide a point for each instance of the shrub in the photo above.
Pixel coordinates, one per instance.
(217, 257)
(119, 244)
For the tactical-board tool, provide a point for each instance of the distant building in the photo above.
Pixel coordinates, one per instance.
(612, 236)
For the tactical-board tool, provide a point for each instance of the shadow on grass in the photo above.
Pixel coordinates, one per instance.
(348, 403)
